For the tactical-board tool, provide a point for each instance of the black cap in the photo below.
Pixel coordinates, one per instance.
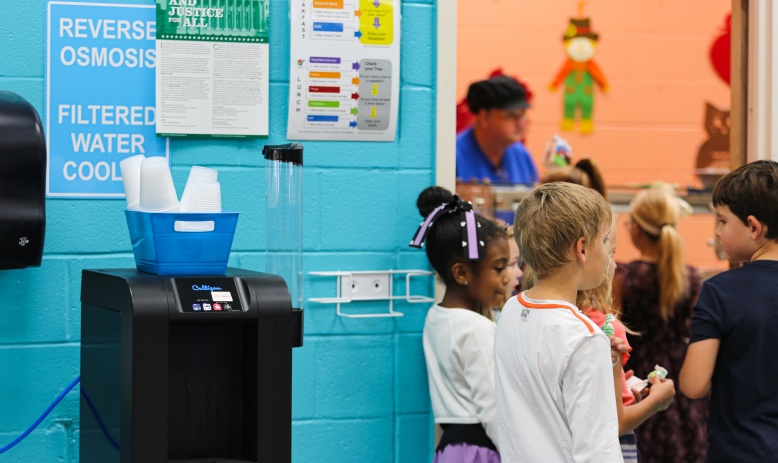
(291, 153)
(501, 92)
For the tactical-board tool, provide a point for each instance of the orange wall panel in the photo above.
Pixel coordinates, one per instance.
(654, 54)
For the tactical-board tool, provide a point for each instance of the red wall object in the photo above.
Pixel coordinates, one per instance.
(720, 51)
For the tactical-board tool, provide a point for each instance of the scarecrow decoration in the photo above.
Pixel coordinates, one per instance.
(579, 74)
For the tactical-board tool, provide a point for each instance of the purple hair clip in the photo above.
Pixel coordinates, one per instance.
(470, 226)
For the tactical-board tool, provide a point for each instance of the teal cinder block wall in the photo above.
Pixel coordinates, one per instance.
(360, 389)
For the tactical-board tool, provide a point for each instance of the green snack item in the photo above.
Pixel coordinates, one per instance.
(607, 328)
(658, 371)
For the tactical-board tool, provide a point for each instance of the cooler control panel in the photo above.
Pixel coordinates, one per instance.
(214, 295)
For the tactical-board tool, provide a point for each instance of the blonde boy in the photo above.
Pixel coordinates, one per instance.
(553, 372)
(734, 330)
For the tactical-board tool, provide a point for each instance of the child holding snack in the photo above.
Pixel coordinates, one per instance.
(632, 411)
(553, 377)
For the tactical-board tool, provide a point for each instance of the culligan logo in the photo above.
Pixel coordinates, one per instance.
(205, 288)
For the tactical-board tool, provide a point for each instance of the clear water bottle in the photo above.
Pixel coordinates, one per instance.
(284, 216)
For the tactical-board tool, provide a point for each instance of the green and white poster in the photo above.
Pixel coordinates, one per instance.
(212, 68)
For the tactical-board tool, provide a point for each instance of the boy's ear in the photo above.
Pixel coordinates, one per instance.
(580, 250)
(755, 227)
(461, 273)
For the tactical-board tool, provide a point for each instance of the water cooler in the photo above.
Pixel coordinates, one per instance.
(186, 368)
(190, 361)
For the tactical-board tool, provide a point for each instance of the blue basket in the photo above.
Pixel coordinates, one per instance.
(162, 250)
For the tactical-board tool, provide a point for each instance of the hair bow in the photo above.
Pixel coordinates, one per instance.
(470, 226)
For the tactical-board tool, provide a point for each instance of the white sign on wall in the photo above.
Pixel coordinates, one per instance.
(344, 77)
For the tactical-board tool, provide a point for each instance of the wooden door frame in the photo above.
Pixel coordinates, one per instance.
(738, 135)
(445, 94)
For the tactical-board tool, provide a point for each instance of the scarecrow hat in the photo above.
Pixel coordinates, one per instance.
(579, 27)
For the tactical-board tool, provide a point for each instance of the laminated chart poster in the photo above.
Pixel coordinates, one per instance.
(345, 70)
(212, 68)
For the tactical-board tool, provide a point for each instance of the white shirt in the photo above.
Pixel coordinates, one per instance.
(459, 351)
(554, 385)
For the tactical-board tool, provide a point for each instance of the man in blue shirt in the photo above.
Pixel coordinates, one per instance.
(491, 149)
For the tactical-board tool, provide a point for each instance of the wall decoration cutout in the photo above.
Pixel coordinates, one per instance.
(720, 51)
(579, 74)
(714, 152)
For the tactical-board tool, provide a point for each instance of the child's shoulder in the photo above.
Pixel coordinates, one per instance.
(751, 282)
(562, 314)
(461, 317)
(745, 274)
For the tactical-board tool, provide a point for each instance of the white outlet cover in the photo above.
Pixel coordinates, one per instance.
(365, 286)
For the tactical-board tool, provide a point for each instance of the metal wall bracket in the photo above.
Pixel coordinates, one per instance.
(370, 285)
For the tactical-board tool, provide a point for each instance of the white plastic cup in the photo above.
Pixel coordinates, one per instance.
(157, 191)
(196, 174)
(130, 168)
(205, 197)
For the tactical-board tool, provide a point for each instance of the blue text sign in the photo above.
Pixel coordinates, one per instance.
(100, 106)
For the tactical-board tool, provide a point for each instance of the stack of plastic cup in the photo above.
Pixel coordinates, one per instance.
(203, 197)
(130, 168)
(157, 191)
(197, 174)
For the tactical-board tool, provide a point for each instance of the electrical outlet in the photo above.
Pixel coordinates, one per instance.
(365, 286)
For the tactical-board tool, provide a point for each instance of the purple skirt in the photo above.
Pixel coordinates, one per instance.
(466, 453)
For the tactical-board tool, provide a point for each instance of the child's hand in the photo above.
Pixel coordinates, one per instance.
(618, 347)
(662, 391)
(637, 393)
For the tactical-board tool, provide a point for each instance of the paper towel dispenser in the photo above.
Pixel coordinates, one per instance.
(22, 183)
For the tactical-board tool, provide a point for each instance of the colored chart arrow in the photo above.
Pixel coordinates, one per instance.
(355, 65)
(355, 96)
(377, 3)
(354, 111)
(358, 33)
(352, 124)
(358, 13)
(355, 80)
(377, 23)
